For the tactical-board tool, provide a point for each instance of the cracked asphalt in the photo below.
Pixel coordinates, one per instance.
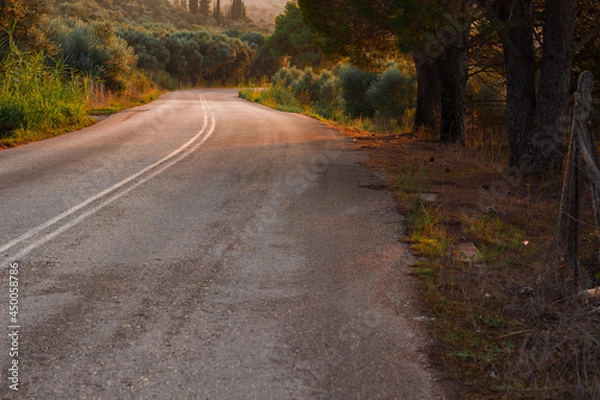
(204, 247)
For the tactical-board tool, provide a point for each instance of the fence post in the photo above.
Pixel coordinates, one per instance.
(568, 216)
(591, 160)
(583, 156)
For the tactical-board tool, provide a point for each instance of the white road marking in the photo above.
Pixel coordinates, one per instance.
(164, 163)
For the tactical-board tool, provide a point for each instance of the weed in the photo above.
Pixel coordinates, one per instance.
(492, 319)
(412, 180)
(462, 354)
(37, 100)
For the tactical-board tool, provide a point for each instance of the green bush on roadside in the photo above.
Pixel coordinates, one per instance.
(345, 93)
(355, 84)
(36, 97)
(392, 94)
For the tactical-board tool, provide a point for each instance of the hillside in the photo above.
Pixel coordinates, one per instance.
(132, 12)
(263, 12)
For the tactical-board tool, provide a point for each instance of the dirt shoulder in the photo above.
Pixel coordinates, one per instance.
(504, 319)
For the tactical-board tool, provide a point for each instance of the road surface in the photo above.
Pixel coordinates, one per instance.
(204, 247)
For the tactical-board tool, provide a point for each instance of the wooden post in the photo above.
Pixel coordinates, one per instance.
(583, 156)
(568, 217)
(589, 152)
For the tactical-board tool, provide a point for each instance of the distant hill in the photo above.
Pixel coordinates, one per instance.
(263, 12)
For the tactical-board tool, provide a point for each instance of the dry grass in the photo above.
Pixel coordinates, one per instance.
(508, 325)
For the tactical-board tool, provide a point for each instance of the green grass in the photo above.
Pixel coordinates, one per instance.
(103, 110)
(278, 97)
(38, 101)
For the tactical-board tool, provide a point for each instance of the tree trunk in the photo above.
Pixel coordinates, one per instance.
(546, 149)
(217, 12)
(453, 65)
(429, 95)
(194, 6)
(516, 34)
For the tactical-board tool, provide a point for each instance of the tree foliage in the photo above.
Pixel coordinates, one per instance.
(392, 94)
(217, 14)
(441, 34)
(204, 8)
(96, 50)
(191, 56)
(293, 39)
(194, 6)
(366, 32)
(237, 11)
(23, 22)
(355, 84)
(150, 49)
(265, 63)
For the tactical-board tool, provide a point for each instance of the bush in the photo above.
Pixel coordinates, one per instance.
(286, 76)
(329, 103)
(305, 87)
(35, 97)
(152, 54)
(321, 92)
(392, 94)
(381, 103)
(97, 51)
(355, 84)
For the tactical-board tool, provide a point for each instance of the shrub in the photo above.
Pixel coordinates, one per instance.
(384, 102)
(392, 94)
(329, 103)
(355, 84)
(305, 87)
(97, 51)
(286, 76)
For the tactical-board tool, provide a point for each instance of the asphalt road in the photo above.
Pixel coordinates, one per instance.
(204, 247)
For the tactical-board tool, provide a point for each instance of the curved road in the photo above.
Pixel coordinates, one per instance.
(203, 247)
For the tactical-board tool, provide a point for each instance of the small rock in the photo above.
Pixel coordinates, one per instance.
(423, 318)
(467, 252)
(526, 291)
(429, 197)
(490, 210)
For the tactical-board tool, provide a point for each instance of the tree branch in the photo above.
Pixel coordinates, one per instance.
(587, 38)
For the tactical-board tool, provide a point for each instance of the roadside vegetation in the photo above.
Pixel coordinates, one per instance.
(503, 313)
(506, 314)
(374, 102)
(100, 57)
(37, 100)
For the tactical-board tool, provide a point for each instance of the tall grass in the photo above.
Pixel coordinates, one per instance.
(38, 100)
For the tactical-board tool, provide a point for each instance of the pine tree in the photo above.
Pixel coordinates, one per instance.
(238, 10)
(217, 11)
(194, 6)
(205, 7)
